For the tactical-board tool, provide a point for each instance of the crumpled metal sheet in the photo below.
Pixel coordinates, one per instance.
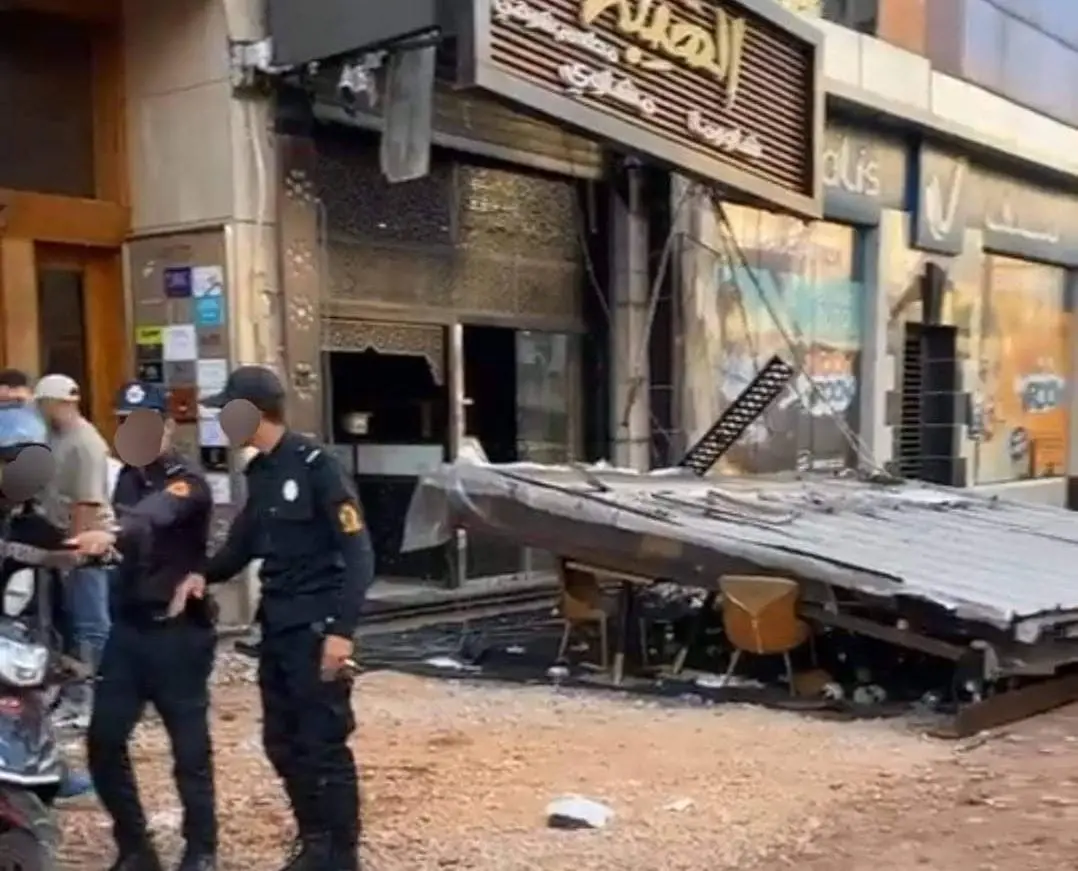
(1007, 564)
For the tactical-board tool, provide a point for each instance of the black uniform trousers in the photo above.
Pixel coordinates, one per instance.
(168, 665)
(306, 722)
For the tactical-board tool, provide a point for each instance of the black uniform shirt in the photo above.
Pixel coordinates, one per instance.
(305, 524)
(164, 515)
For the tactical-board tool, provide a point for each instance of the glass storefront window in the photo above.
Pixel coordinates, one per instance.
(546, 394)
(797, 293)
(1020, 420)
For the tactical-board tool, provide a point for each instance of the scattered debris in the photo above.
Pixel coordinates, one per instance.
(682, 804)
(450, 664)
(574, 812)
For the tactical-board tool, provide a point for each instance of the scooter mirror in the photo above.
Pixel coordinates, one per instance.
(18, 592)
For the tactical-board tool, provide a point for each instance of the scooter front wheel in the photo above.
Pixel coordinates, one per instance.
(21, 851)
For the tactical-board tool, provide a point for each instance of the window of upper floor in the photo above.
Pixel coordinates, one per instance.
(859, 15)
(46, 104)
(1025, 50)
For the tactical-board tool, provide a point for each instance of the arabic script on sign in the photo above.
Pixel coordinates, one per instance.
(718, 52)
(1005, 222)
(543, 21)
(582, 80)
(732, 139)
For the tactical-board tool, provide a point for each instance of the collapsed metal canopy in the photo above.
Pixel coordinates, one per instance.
(1010, 565)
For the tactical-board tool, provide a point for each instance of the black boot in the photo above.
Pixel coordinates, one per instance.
(309, 854)
(143, 858)
(196, 860)
(344, 860)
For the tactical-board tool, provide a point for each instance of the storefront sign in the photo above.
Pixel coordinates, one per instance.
(862, 174)
(942, 202)
(1028, 222)
(1018, 219)
(724, 91)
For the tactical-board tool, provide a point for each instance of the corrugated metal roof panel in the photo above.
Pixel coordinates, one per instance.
(989, 559)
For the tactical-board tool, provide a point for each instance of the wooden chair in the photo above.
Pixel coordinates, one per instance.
(583, 603)
(759, 616)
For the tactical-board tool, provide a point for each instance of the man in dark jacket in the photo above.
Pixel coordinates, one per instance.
(304, 522)
(155, 655)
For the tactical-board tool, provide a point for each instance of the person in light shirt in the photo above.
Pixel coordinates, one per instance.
(76, 500)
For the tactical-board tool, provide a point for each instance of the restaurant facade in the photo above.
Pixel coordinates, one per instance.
(499, 304)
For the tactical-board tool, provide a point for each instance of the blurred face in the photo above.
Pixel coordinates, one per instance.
(142, 437)
(243, 424)
(15, 394)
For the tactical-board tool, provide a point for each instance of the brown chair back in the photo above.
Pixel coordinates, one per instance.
(581, 596)
(759, 613)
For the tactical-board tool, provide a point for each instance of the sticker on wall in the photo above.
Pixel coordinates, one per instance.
(211, 342)
(210, 432)
(181, 342)
(207, 281)
(151, 371)
(177, 282)
(209, 311)
(183, 404)
(211, 376)
(179, 311)
(181, 372)
(149, 336)
(220, 488)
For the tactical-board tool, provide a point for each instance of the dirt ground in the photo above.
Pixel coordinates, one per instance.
(458, 776)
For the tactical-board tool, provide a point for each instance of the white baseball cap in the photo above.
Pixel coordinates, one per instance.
(59, 387)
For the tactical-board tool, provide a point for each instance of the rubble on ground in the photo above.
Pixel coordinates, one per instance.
(458, 775)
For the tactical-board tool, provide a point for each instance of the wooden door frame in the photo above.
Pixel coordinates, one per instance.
(103, 314)
(39, 229)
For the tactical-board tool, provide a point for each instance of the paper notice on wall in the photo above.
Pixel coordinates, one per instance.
(207, 281)
(220, 488)
(211, 377)
(210, 433)
(181, 343)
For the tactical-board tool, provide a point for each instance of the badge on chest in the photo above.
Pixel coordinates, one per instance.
(290, 490)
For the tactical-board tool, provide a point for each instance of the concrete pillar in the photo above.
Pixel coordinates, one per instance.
(876, 377)
(200, 156)
(630, 292)
(700, 339)
(202, 160)
(1071, 304)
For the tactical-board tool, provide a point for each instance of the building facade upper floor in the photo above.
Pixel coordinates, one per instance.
(1024, 50)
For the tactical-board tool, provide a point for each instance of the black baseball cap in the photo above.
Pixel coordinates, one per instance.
(258, 385)
(136, 395)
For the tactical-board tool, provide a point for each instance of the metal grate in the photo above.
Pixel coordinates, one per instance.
(754, 400)
(910, 441)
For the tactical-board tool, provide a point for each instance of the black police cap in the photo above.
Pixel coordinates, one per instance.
(256, 384)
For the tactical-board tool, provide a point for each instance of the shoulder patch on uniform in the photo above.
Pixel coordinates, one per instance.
(179, 489)
(173, 469)
(348, 518)
(313, 455)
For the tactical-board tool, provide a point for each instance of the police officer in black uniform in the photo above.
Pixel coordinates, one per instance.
(155, 655)
(304, 522)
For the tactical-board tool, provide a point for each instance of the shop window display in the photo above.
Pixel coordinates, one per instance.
(1020, 415)
(796, 293)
